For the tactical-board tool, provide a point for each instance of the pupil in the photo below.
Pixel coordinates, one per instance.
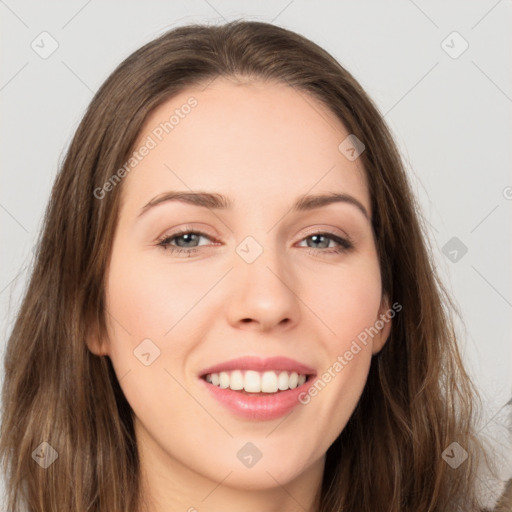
(188, 235)
(316, 238)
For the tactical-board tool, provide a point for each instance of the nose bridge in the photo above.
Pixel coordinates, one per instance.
(263, 285)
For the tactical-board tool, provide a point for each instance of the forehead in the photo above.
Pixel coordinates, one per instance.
(246, 140)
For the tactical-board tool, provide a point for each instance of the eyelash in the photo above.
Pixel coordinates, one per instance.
(344, 245)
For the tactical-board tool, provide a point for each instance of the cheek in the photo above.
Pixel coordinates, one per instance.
(349, 308)
(144, 303)
(346, 300)
(148, 298)
(347, 303)
(151, 311)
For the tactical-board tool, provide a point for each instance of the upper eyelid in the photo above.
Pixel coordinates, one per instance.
(310, 232)
(329, 231)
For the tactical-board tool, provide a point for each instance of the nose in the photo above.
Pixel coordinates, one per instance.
(264, 294)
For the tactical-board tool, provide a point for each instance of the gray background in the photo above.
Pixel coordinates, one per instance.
(450, 114)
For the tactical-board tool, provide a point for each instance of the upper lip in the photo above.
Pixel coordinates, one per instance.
(260, 364)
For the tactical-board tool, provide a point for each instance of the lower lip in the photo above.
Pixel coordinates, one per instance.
(259, 406)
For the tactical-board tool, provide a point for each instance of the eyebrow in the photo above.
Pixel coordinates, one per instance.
(216, 201)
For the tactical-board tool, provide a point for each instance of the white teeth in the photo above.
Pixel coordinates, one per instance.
(269, 382)
(256, 382)
(282, 381)
(236, 381)
(252, 382)
(224, 380)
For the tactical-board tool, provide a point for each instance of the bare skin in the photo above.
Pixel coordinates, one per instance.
(262, 145)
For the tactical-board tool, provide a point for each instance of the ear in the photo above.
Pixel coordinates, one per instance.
(95, 343)
(383, 324)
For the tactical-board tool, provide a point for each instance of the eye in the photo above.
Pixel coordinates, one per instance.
(322, 241)
(186, 242)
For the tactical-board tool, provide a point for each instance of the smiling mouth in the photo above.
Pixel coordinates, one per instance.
(254, 382)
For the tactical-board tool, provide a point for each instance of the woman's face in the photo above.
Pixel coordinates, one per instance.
(263, 280)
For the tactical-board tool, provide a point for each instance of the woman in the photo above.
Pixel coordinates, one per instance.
(233, 305)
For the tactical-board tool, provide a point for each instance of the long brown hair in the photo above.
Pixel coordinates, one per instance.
(418, 399)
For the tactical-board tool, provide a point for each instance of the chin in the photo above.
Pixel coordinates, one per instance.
(260, 478)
